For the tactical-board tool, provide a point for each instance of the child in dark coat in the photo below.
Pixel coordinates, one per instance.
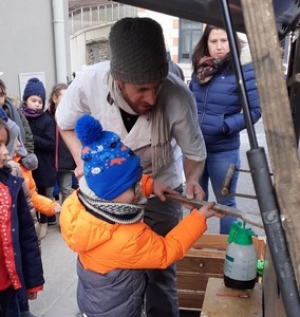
(64, 162)
(43, 130)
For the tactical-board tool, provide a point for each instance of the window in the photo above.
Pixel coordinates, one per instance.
(189, 35)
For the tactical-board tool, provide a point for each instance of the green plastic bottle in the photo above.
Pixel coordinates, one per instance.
(240, 268)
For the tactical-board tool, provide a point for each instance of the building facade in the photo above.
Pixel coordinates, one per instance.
(52, 39)
(91, 20)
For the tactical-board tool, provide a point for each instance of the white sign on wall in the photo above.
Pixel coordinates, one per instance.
(24, 77)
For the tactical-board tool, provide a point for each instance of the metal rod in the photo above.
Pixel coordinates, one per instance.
(242, 195)
(221, 209)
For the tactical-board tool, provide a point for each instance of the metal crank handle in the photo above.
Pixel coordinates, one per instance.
(221, 209)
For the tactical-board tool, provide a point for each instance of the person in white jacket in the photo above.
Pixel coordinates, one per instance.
(154, 113)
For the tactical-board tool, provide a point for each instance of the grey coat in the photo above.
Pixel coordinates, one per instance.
(116, 293)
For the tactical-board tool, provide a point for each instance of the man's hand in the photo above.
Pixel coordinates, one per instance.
(75, 146)
(194, 191)
(78, 172)
(193, 171)
(159, 189)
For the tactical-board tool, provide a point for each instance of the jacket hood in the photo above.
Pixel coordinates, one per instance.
(245, 55)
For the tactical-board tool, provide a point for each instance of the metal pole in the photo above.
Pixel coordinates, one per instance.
(60, 41)
(239, 74)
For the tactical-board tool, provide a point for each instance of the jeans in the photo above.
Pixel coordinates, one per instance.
(161, 292)
(9, 306)
(215, 170)
(65, 184)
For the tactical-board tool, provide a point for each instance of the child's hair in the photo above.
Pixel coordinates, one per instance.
(2, 86)
(55, 92)
(4, 126)
(14, 100)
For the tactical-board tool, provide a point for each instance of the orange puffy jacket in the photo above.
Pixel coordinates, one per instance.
(103, 247)
(41, 203)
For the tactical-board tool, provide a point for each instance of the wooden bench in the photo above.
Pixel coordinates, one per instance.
(227, 302)
(203, 261)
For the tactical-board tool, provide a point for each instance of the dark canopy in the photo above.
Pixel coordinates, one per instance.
(287, 12)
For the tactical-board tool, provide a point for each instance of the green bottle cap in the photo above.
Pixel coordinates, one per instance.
(239, 234)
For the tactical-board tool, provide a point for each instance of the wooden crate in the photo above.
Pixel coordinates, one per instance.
(218, 297)
(204, 260)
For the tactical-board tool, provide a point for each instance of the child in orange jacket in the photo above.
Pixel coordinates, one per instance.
(16, 150)
(103, 222)
(41, 203)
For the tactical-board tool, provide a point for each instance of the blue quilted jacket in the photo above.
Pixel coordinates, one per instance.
(219, 108)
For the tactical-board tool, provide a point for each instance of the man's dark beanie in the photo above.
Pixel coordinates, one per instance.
(138, 52)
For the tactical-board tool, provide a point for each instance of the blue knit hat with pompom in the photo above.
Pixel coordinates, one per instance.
(34, 87)
(110, 167)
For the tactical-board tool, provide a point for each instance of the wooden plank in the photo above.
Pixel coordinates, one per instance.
(277, 117)
(218, 243)
(206, 253)
(221, 301)
(190, 300)
(212, 241)
(201, 265)
(192, 282)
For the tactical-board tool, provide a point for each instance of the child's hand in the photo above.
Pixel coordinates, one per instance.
(32, 296)
(208, 212)
(57, 209)
(159, 189)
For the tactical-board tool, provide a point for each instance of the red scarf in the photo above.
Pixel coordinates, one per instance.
(6, 239)
(208, 66)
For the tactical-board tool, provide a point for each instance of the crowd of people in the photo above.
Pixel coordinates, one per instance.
(128, 129)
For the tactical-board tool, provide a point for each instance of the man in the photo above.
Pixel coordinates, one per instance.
(154, 114)
(175, 68)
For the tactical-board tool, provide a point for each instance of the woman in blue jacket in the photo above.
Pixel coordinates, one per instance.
(220, 116)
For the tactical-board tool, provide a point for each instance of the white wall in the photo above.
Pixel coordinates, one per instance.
(27, 41)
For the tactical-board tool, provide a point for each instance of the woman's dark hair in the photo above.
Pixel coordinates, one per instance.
(201, 49)
(55, 92)
(4, 126)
